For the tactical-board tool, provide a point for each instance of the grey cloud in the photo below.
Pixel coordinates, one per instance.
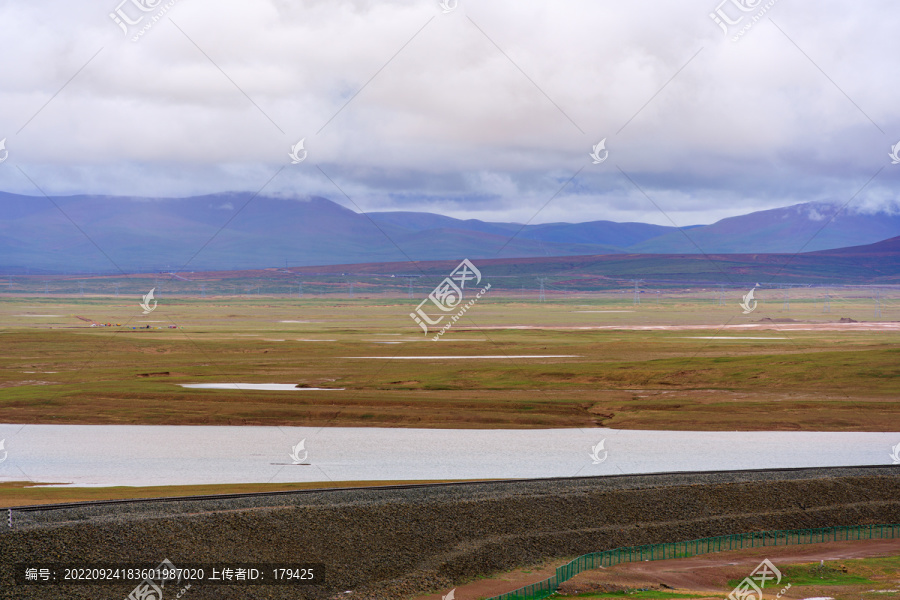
(451, 124)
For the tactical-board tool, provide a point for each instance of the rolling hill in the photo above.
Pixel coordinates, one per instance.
(237, 231)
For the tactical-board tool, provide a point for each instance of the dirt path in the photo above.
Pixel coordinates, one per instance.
(776, 325)
(710, 572)
(706, 573)
(500, 584)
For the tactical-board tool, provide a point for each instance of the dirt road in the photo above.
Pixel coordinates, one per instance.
(707, 573)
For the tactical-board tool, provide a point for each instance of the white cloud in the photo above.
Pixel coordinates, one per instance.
(451, 121)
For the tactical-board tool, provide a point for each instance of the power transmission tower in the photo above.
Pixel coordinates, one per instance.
(541, 298)
(826, 306)
(203, 290)
(721, 294)
(81, 288)
(47, 287)
(117, 289)
(637, 294)
(877, 303)
(787, 300)
(300, 289)
(410, 292)
(351, 289)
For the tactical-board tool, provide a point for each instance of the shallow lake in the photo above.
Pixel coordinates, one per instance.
(92, 455)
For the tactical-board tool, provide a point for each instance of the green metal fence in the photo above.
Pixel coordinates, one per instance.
(721, 543)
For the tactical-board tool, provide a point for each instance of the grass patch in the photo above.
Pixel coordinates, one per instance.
(64, 371)
(816, 574)
(636, 594)
(25, 493)
(827, 574)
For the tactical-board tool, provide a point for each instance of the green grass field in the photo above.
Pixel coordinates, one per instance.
(638, 595)
(847, 579)
(59, 369)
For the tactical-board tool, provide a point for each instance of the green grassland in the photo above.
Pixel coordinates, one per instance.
(59, 369)
(27, 493)
(849, 578)
(638, 595)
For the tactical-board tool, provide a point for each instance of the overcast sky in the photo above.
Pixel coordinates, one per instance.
(487, 111)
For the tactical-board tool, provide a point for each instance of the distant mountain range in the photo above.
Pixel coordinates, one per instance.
(877, 263)
(237, 231)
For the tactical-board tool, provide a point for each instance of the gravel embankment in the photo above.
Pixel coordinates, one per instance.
(392, 543)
